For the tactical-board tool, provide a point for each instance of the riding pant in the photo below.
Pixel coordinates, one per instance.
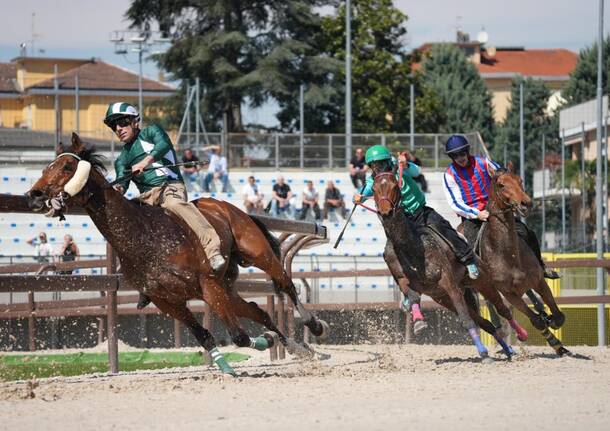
(172, 197)
(426, 216)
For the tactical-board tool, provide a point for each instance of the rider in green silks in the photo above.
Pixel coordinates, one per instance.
(413, 203)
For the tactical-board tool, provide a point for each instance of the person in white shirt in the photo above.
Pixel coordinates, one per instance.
(253, 199)
(217, 169)
(44, 251)
(309, 199)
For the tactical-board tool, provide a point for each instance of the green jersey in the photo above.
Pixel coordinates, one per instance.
(153, 141)
(412, 197)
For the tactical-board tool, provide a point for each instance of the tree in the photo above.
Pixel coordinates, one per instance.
(381, 73)
(241, 50)
(582, 85)
(537, 123)
(461, 90)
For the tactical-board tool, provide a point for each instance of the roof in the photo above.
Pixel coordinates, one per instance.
(8, 73)
(550, 63)
(99, 75)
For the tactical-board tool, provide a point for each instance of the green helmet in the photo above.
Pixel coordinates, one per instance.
(119, 109)
(376, 153)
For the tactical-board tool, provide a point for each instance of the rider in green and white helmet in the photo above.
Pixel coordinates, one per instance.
(163, 185)
(413, 201)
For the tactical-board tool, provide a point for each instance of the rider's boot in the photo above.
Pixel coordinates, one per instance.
(473, 271)
(143, 301)
(551, 274)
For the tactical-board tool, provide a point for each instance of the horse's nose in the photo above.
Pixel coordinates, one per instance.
(527, 203)
(33, 194)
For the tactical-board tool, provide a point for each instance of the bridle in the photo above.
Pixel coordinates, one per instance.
(393, 204)
(507, 204)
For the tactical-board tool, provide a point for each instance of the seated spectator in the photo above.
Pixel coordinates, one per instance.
(44, 251)
(309, 199)
(190, 171)
(357, 169)
(217, 169)
(69, 252)
(280, 198)
(333, 200)
(253, 199)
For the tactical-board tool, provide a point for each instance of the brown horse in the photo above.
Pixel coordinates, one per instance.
(514, 267)
(161, 257)
(430, 266)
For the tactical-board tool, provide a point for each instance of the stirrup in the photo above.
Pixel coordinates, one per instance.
(473, 271)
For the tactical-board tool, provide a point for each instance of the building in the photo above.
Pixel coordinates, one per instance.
(85, 87)
(500, 66)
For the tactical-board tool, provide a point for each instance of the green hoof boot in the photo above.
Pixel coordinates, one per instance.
(222, 362)
(259, 343)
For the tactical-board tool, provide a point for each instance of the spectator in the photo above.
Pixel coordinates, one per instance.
(358, 168)
(280, 198)
(310, 200)
(217, 169)
(253, 199)
(191, 170)
(69, 252)
(333, 200)
(44, 251)
(420, 179)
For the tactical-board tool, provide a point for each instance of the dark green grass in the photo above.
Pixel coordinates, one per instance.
(21, 367)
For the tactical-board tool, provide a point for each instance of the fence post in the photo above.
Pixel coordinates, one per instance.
(271, 313)
(330, 151)
(113, 339)
(281, 325)
(277, 152)
(31, 323)
(435, 151)
(177, 334)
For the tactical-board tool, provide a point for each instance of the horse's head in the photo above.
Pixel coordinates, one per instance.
(387, 193)
(508, 192)
(63, 179)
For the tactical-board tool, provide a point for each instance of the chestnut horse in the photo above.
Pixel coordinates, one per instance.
(161, 257)
(430, 266)
(514, 267)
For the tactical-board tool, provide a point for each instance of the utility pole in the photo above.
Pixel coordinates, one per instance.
(348, 82)
(521, 138)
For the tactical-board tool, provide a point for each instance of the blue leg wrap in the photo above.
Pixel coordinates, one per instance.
(477, 342)
(507, 349)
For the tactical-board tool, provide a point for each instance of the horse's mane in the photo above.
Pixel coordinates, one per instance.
(90, 154)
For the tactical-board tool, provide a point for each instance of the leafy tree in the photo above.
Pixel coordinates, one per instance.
(461, 90)
(381, 74)
(582, 85)
(241, 50)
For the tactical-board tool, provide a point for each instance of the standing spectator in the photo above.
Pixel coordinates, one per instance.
(253, 199)
(420, 179)
(217, 169)
(333, 199)
(69, 252)
(280, 197)
(310, 200)
(358, 168)
(44, 251)
(190, 171)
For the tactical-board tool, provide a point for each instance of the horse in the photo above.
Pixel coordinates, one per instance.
(514, 267)
(429, 264)
(161, 257)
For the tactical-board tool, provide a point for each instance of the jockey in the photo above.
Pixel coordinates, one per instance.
(413, 203)
(162, 186)
(467, 182)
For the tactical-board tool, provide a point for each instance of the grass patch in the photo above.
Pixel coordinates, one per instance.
(22, 367)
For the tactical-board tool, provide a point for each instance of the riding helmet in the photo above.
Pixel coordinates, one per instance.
(376, 153)
(456, 143)
(120, 109)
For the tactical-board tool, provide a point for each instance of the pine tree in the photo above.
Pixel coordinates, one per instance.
(461, 90)
(582, 85)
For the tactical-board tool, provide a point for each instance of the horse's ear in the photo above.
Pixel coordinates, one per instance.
(59, 149)
(491, 170)
(77, 144)
(509, 166)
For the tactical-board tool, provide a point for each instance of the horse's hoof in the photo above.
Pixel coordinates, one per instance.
(296, 349)
(272, 338)
(325, 330)
(487, 360)
(557, 320)
(419, 326)
(563, 351)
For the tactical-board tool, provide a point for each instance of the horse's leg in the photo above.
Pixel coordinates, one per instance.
(557, 317)
(517, 301)
(205, 338)
(492, 295)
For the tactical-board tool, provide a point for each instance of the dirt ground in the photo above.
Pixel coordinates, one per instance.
(359, 387)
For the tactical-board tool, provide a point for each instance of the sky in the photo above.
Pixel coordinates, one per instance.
(81, 28)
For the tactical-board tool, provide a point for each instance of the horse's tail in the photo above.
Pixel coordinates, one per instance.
(275, 246)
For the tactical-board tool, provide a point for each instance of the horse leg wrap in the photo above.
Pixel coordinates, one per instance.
(221, 362)
(259, 343)
(474, 334)
(522, 334)
(507, 349)
(554, 342)
(416, 313)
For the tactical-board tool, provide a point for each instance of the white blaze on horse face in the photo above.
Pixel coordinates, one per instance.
(78, 181)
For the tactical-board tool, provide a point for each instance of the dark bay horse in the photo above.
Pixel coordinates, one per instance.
(160, 255)
(430, 265)
(514, 266)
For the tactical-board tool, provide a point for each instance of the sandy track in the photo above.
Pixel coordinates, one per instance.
(359, 387)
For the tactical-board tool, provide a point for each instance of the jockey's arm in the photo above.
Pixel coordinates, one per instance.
(161, 146)
(455, 200)
(120, 168)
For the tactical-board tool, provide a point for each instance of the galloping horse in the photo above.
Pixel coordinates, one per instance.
(431, 267)
(160, 255)
(514, 267)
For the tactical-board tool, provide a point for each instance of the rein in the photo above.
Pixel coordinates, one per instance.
(130, 175)
(395, 204)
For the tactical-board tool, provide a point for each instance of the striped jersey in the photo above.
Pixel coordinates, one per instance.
(151, 140)
(467, 189)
